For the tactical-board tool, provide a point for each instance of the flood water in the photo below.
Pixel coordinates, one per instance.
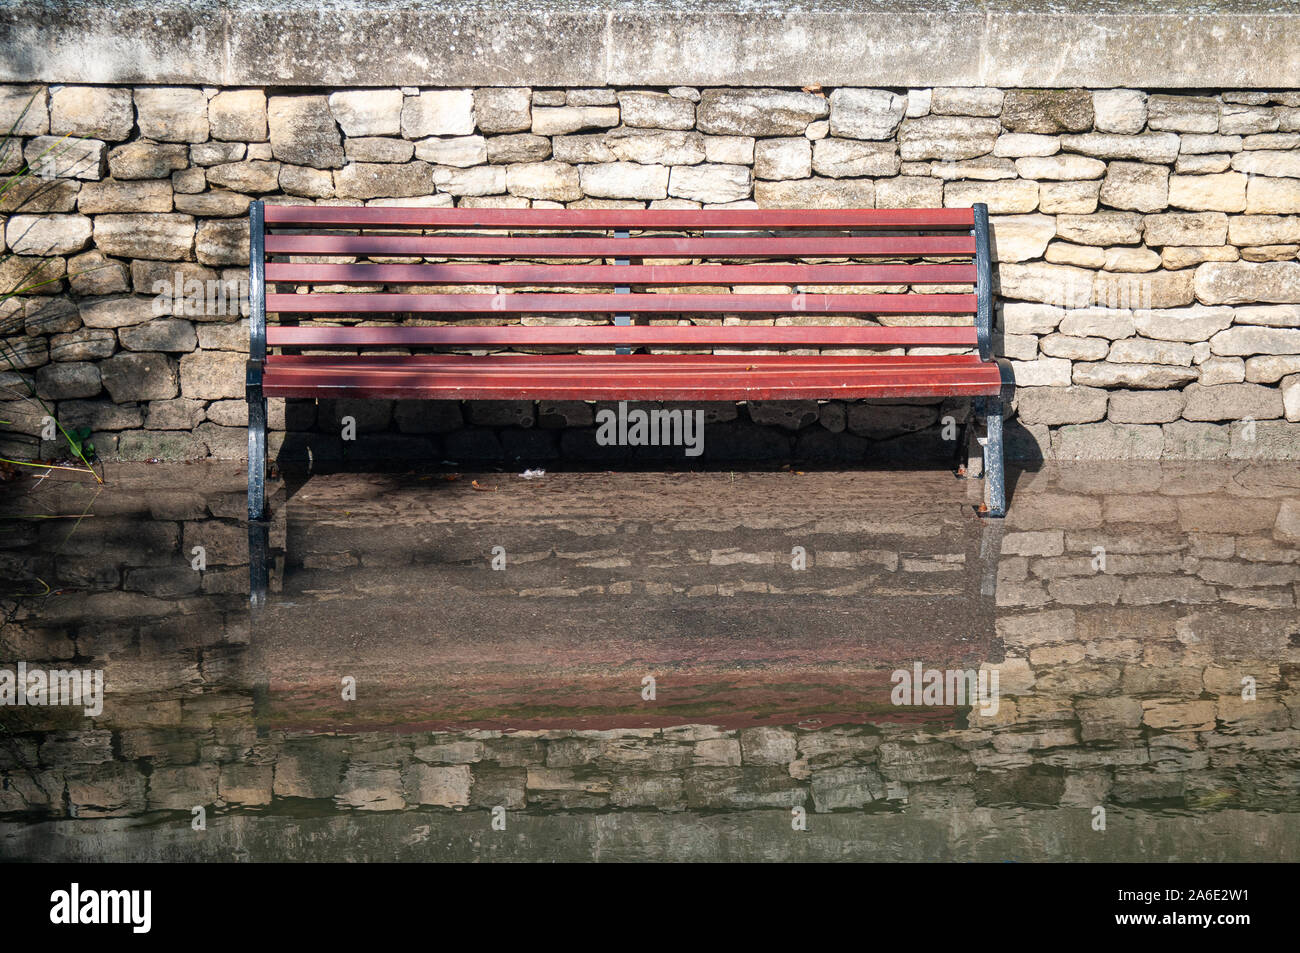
(690, 666)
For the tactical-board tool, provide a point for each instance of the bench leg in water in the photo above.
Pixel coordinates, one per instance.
(258, 527)
(995, 493)
(259, 564)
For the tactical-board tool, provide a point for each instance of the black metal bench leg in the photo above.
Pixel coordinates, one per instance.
(257, 527)
(256, 449)
(995, 493)
(253, 369)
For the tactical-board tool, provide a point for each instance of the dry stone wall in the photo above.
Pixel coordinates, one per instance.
(1146, 246)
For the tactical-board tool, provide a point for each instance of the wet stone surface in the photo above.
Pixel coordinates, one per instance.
(1141, 622)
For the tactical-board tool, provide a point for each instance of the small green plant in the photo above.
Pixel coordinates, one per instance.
(79, 441)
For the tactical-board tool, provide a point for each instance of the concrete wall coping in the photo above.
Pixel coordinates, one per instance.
(1197, 44)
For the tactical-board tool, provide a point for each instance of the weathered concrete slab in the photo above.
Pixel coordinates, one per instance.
(1098, 43)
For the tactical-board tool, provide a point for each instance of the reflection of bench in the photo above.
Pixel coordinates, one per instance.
(629, 271)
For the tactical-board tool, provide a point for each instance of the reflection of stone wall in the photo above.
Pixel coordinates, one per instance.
(992, 835)
(1196, 537)
(1146, 246)
(132, 556)
(1108, 729)
(1101, 708)
(1120, 687)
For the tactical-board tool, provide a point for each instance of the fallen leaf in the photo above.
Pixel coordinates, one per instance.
(479, 486)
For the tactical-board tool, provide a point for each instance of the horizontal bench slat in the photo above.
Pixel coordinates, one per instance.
(610, 335)
(524, 303)
(659, 246)
(576, 362)
(627, 377)
(359, 374)
(344, 217)
(512, 274)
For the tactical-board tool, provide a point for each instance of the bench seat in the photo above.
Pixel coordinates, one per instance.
(678, 377)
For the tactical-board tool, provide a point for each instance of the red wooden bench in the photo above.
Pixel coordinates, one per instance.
(599, 263)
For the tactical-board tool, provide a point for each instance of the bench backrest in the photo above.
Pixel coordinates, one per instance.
(625, 278)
